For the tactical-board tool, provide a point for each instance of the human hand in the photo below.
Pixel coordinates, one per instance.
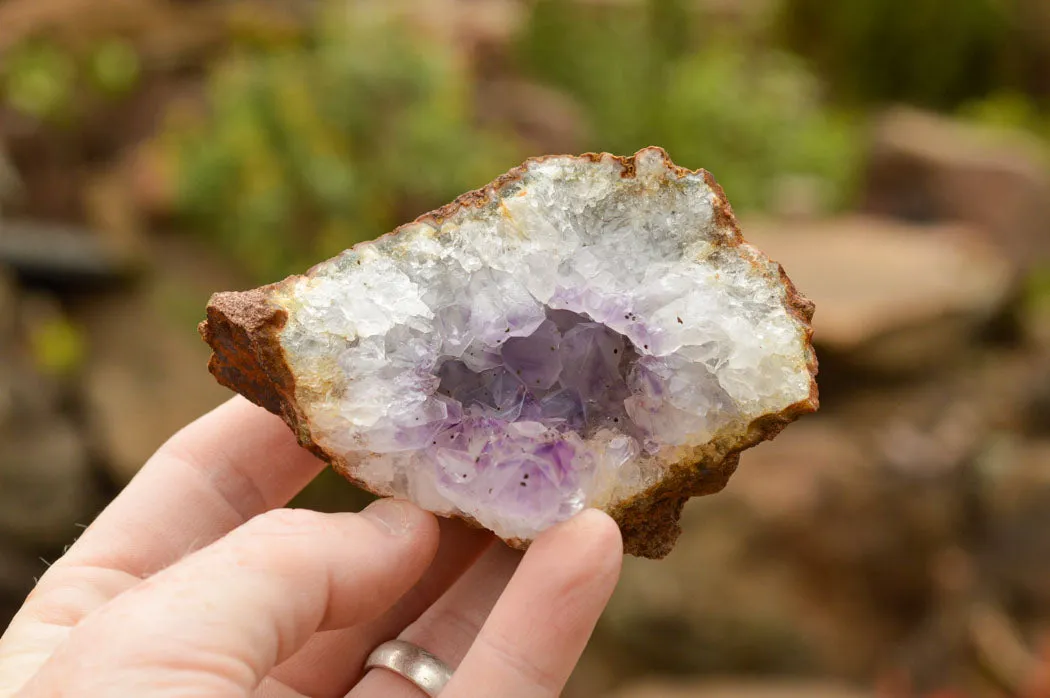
(194, 583)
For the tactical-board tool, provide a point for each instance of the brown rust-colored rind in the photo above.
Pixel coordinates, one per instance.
(243, 330)
(238, 328)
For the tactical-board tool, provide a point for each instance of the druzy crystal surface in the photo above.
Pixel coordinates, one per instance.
(570, 336)
(585, 331)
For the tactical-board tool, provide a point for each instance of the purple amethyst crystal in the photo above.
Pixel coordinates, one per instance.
(521, 467)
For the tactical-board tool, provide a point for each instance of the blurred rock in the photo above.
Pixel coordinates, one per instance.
(1017, 553)
(60, 181)
(740, 688)
(601, 670)
(926, 168)
(46, 160)
(63, 256)
(815, 558)
(785, 479)
(46, 486)
(890, 295)
(146, 374)
(1034, 25)
(878, 503)
(111, 210)
(801, 197)
(712, 605)
(17, 570)
(8, 302)
(855, 533)
(149, 181)
(1036, 408)
(729, 598)
(28, 388)
(18, 573)
(7, 346)
(8, 178)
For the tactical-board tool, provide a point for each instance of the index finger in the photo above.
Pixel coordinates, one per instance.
(233, 463)
(542, 622)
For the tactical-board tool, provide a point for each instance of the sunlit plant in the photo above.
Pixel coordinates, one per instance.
(653, 72)
(310, 148)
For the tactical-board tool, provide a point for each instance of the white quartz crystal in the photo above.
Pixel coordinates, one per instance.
(435, 361)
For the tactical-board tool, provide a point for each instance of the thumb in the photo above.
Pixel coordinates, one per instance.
(218, 621)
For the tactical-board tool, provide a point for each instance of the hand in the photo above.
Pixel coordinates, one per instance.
(194, 583)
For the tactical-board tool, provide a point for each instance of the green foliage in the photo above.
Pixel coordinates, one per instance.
(1009, 110)
(927, 52)
(39, 80)
(114, 67)
(57, 347)
(43, 80)
(753, 121)
(313, 148)
(646, 76)
(611, 59)
(1037, 288)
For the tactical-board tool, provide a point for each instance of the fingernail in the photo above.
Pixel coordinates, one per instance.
(391, 515)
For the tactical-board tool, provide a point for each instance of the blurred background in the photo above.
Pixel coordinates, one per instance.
(894, 155)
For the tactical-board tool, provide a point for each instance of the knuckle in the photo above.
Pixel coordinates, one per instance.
(525, 668)
(448, 626)
(281, 537)
(68, 593)
(285, 522)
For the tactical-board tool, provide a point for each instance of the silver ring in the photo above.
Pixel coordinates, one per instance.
(423, 669)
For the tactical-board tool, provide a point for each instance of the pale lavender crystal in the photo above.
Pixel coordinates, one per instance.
(564, 379)
(562, 408)
(535, 359)
(522, 468)
(598, 356)
(510, 446)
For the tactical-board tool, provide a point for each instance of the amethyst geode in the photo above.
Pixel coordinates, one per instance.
(583, 332)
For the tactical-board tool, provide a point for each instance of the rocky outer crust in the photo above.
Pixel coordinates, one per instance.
(243, 330)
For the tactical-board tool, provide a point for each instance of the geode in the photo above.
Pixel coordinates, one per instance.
(584, 331)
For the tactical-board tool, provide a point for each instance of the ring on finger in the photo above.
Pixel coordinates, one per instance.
(424, 670)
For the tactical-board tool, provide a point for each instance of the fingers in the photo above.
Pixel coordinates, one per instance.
(330, 663)
(448, 628)
(272, 688)
(531, 642)
(222, 618)
(452, 623)
(555, 598)
(235, 462)
(45, 622)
